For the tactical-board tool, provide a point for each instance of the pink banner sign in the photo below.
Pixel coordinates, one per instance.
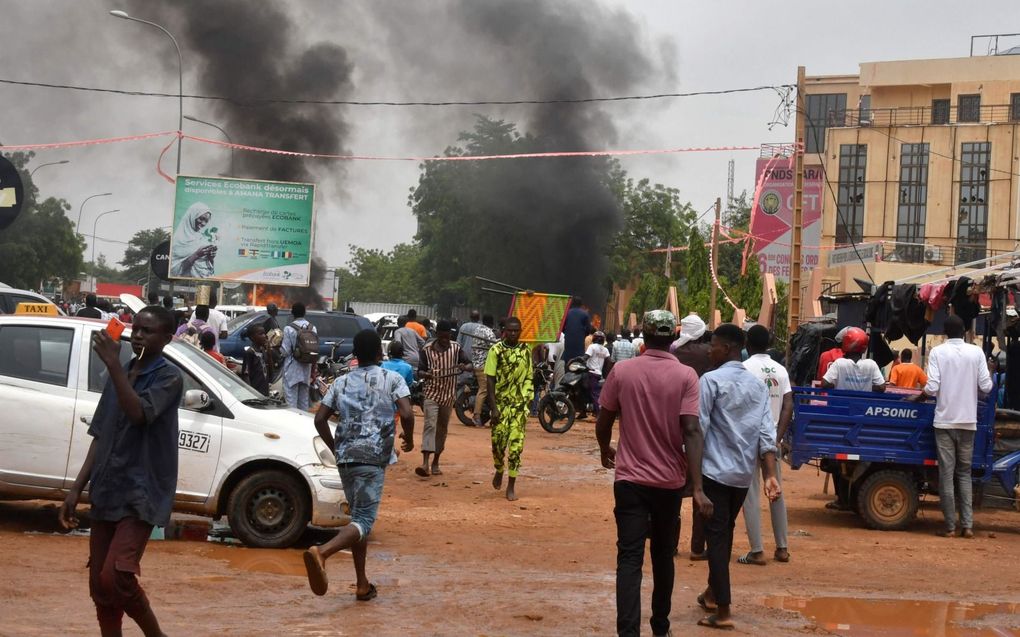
(772, 215)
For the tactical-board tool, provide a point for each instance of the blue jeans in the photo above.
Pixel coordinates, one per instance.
(363, 484)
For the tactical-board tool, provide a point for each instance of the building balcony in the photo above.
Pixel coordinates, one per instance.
(925, 116)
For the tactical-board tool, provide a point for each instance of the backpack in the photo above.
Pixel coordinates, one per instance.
(306, 346)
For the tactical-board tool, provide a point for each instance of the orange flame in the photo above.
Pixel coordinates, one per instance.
(266, 294)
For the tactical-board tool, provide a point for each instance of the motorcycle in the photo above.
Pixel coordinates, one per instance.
(464, 402)
(329, 368)
(557, 409)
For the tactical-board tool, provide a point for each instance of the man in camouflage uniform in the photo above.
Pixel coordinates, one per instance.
(508, 374)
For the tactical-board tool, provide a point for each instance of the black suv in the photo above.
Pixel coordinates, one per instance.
(331, 326)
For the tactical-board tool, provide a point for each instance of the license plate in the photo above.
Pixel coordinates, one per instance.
(193, 441)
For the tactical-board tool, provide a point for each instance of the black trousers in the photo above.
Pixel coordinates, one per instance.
(644, 512)
(697, 529)
(726, 502)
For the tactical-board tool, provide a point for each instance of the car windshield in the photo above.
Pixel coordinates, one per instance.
(234, 385)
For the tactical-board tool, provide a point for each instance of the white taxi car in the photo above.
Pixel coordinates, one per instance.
(240, 454)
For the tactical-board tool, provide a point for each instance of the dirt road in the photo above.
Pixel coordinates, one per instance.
(453, 557)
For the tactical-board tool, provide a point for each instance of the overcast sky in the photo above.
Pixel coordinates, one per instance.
(702, 45)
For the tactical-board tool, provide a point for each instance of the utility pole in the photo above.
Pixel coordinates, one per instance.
(714, 264)
(729, 184)
(793, 320)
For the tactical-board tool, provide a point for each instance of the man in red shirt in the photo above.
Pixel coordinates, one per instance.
(828, 356)
(656, 398)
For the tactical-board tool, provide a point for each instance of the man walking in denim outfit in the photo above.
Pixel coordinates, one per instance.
(365, 401)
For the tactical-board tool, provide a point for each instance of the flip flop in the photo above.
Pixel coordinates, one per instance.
(317, 579)
(437, 472)
(705, 606)
(420, 471)
(713, 621)
(747, 559)
(371, 594)
(699, 557)
(780, 557)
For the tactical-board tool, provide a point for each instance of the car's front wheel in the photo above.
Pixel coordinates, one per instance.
(269, 509)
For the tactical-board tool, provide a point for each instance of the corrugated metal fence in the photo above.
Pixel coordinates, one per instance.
(425, 311)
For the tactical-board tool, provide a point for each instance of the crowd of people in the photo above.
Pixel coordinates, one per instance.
(699, 414)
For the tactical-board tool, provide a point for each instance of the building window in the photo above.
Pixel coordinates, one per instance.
(968, 108)
(823, 111)
(913, 201)
(853, 159)
(1014, 107)
(940, 111)
(864, 110)
(972, 227)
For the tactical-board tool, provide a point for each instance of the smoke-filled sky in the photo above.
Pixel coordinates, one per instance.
(435, 50)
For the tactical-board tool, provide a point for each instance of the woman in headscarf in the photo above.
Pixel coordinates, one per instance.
(193, 251)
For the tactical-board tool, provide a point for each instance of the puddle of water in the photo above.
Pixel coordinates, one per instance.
(276, 561)
(890, 617)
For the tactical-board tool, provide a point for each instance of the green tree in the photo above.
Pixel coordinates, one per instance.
(650, 294)
(695, 288)
(41, 243)
(136, 256)
(654, 218)
(374, 275)
(542, 223)
(106, 273)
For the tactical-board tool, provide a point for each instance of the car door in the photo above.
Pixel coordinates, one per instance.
(198, 439)
(37, 395)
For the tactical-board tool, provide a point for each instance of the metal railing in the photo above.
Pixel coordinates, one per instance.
(924, 116)
(942, 254)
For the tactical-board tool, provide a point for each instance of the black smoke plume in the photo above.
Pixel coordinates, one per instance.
(557, 215)
(248, 51)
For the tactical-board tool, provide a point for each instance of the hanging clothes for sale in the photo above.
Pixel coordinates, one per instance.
(881, 353)
(1013, 376)
(963, 304)
(878, 313)
(908, 314)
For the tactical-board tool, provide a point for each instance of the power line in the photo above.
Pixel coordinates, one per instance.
(262, 101)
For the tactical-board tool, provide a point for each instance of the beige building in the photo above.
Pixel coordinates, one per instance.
(923, 159)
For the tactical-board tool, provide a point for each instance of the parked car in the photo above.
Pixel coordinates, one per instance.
(240, 454)
(230, 311)
(332, 327)
(10, 297)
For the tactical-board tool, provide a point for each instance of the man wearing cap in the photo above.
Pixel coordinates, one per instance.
(656, 399)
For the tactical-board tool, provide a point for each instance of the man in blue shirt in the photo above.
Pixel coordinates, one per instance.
(737, 421)
(131, 467)
(297, 376)
(396, 363)
(365, 402)
(576, 326)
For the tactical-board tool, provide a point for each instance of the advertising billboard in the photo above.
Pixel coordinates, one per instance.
(242, 230)
(772, 216)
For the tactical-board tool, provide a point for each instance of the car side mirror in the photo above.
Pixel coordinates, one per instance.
(197, 400)
(244, 334)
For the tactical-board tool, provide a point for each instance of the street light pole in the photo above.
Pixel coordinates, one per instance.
(180, 78)
(82, 206)
(51, 163)
(233, 171)
(94, 225)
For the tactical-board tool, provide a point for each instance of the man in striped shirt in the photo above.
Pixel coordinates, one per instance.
(440, 363)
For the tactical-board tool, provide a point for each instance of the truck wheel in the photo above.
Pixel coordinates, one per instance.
(888, 500)
(269, 509)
